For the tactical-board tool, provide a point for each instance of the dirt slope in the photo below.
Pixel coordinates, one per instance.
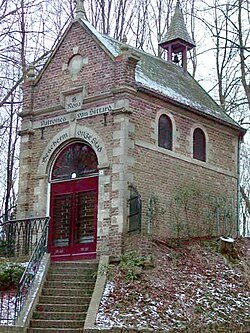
(190, 287)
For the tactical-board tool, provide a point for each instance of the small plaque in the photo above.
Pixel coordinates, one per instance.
(73, 102)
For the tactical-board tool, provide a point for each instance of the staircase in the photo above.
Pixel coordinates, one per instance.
(65, 298)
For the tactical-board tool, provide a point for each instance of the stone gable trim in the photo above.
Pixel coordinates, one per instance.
(53, 52)
(84, 26)
(124, 89)
(185, 158)
(96, 39)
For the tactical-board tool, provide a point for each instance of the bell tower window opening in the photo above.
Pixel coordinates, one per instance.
(165, 132)
(75, 161)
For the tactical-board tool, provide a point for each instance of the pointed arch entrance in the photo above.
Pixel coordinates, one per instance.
(73, 203)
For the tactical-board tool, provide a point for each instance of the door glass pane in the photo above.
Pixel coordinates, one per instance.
(62, 208)
(75, 161)
(84, 217)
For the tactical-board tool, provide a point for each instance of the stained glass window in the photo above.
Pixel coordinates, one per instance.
(199, 145)
(165, 132)
(75, 161)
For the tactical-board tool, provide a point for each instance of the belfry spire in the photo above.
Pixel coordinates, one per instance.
(177, 40)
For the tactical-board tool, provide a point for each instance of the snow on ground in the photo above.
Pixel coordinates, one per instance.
(7, 308)
(189, 286)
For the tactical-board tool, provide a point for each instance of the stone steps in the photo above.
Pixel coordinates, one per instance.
(67, 292)
(80, 315)
(69, 285)
(61, 307)
(74, 277)
(56, 323)
(55, 330)
(65, 298)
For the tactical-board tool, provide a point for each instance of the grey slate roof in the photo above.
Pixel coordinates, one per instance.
(167, 79)
(177, 29)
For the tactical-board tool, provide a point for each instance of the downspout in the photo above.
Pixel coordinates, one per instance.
(149, 215)
(238, 189)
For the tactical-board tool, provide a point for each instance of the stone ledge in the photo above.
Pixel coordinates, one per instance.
(89, 323)
(185, 158)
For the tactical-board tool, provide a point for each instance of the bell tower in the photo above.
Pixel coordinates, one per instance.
(177, 41)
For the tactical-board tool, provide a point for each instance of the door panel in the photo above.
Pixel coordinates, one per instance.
(84, 217)
(72, 232)
(62, 208)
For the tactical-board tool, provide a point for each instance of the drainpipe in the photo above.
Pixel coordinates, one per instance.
(149, 215)
(238, 190)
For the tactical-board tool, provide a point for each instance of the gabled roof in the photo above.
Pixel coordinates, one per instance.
(167, 79)
(159, 76)
(177, 30)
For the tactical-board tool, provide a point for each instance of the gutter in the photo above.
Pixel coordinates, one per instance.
(238, 190)
(236, 127)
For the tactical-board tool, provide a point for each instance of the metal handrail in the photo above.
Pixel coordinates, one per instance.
(31, 270)
(19, 237)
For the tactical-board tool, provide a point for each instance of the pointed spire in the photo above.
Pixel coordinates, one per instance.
(177, 30)
(177, 40)
(80, 11)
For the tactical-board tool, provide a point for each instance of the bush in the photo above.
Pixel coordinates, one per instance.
(131, 265)
(4, 248)
(10, 274)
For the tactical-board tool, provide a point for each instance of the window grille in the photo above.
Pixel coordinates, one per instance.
(134, 212)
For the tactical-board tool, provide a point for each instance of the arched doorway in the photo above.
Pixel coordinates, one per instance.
(73, 203)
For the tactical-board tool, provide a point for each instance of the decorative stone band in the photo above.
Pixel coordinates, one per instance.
(81, 114)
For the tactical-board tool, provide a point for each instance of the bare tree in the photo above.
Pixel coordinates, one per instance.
(228, 24)
(25, 38)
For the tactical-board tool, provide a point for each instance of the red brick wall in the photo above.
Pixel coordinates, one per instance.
(156, 173)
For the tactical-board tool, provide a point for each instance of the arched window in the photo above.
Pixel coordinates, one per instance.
(199, 145)
(75, 161)
(165, 132)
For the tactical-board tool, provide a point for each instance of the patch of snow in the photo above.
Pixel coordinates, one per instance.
(227, 239)
(141, 78)
(7, 305)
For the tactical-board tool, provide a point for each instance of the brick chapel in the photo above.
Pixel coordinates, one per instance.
(112, 138)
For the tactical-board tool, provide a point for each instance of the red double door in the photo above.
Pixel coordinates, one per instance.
(73, 225)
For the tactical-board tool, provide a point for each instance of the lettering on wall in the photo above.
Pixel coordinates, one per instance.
(50, 122)
(90, 139)
(79, 115)
(73, 102)
(55, 143)
(94, 111)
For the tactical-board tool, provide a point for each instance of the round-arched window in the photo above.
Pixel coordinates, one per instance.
(199, 145)
(165, 132)
(75, 161)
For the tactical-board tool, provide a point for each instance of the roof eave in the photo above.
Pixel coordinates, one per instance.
(165, 43)
(242, 131)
